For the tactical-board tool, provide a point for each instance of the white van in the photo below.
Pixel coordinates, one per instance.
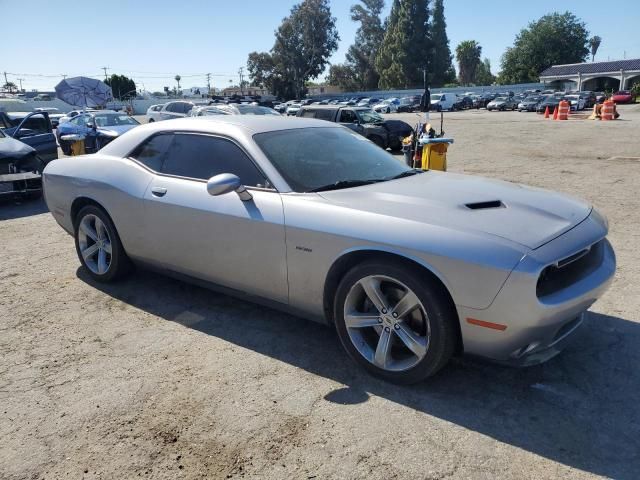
(443, 101)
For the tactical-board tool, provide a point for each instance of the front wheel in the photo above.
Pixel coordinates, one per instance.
(98, 245)
(395, 322)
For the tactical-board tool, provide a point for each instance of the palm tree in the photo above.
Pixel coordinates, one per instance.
(177, 77)
(468, 54)
(594, 44)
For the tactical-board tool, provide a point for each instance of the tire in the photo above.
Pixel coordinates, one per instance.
(65, 147)
(94, 230)
(430, 326)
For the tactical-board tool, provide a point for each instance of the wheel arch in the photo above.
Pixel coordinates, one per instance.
(353, 257)
(80, 202)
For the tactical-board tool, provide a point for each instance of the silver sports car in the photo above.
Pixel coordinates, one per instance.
(411, 267)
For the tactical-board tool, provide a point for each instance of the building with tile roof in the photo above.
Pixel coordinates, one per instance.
(595, 76)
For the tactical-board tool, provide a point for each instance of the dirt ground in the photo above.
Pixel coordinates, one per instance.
(154, 378)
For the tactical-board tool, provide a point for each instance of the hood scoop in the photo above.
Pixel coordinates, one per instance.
(485, 205)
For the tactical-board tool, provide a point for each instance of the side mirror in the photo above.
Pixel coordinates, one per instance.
(226, 183)
(90, 125)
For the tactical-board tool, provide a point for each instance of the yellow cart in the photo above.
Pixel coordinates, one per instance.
(434, 153)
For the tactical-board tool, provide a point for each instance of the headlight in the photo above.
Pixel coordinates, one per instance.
(600, 218)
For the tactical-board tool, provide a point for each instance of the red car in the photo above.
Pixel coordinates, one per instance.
(623, 96)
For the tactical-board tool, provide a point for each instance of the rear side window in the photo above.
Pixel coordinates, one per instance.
(152, 152)
(325, 114)
(309, 113)
(202, 157)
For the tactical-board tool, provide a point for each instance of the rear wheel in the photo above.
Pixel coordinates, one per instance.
(378, 141)
(98, 245)
(395, 322)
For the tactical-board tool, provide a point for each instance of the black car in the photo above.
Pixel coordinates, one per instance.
(363, 120)
(409, 104)
(463, 103)
(530, 103)
(551, 101)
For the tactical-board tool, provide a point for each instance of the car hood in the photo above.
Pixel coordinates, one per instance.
(528, 216)
(13, 149)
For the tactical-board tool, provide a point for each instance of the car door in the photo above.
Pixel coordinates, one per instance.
(222, 239)
(349, 119)
(35, 130)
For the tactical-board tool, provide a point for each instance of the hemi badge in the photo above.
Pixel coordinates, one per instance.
(482, 323)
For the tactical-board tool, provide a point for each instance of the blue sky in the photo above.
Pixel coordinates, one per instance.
(151, 41)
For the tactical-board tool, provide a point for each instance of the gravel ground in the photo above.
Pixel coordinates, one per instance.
(158, 379)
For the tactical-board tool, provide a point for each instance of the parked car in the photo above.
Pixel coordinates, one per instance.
(576, 102)
(99, 128)
(32, 128)
(409, 104)
(282, 107)
(54, 114)
(293, 109)
(600, 97)
(530, 103)
(409, 267)
(369, 124)
(74, 113)
(623, 96)
(443, 101)
(232, 109)
(550, 101)
(153, 112)
(390, 105)
(463, 103)
(368, 102)
(502, 104)
(485, 98)
(590, 98)
(175, 109)
(27, 144)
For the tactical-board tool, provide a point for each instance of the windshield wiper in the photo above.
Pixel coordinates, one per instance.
(343, 184)
(408, 173)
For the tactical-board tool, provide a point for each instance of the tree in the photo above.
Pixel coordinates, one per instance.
(442, 70)
(10, 86)
(553, 39)
(483, 73)
(121, 86)
(468, 54)
(343, 76)
(594, 44)
(361, 56)
(406, 46)
(304, 42)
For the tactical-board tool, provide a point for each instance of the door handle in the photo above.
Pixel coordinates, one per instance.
(158, 191)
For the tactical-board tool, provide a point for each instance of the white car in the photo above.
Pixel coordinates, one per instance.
(74, 113)
(175, 109)
(390, 105)
(576, 102)
(443, 101)
(292, 110)
(153, 113)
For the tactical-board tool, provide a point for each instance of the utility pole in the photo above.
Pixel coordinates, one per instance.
(240, 72)
(105, 72)
(64, 76)
(5, 78)
(208, 84)
(20, 80)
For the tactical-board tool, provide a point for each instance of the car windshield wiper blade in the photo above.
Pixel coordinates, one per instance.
(407, 173)
(343, 184)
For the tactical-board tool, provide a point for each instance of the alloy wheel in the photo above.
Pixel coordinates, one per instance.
(95, 244)
(387, 323)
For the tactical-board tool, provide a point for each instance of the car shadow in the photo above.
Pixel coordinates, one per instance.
(12, 208)
(580, 409)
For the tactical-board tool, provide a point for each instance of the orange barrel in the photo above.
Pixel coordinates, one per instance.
(608, 110)
(563, 110)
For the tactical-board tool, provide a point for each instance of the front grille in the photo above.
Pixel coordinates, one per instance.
(567, 271)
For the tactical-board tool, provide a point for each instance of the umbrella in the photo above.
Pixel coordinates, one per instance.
(84, 92)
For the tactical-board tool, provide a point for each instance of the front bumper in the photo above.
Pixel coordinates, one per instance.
(20, 183)
(537, 328)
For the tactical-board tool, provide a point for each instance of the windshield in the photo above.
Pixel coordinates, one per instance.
(369, 116)
(114, 119)
(309, 158)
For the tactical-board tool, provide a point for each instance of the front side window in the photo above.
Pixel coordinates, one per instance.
(348, 116)
(309, 158)
(203, 156)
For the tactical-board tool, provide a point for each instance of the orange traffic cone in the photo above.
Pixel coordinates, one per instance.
(546, 112)
(555, 113)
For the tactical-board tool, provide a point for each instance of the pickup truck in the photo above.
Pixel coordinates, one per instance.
(27, 144)
(369, 124)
